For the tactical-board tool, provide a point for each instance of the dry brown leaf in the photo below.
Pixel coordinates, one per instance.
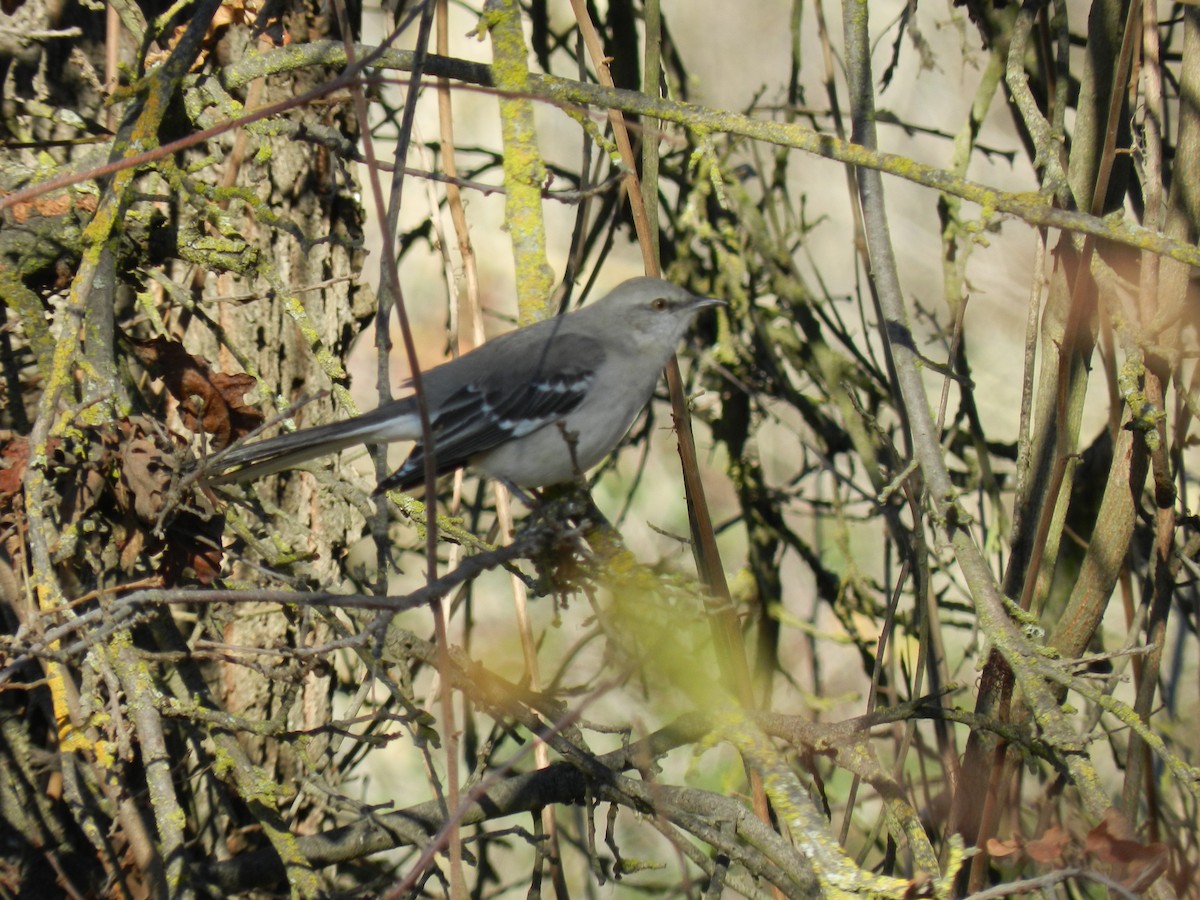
(1137, 865)
(49, 206)
(193, 549)
(998, 849)
(146, 474)
(232, 12)
(1151, 863)
(214, 401)
(132, 549)
(1048, 849)
(14, 457)
(1106, 839)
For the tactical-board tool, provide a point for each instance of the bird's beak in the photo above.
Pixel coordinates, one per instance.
(699, 303)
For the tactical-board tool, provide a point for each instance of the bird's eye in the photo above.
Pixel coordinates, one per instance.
(659, 304)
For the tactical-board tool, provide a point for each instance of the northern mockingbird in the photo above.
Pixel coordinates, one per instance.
(534, 407)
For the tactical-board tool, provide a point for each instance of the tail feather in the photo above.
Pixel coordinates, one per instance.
(394, 422)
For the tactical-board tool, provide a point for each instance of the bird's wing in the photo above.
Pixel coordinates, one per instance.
(535, 392)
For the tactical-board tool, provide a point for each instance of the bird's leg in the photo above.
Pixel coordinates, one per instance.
(519, 493)
(572, 440)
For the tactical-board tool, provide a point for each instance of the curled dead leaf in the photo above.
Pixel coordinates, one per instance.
(146, 474)
(212, 401)
(1137, 865)
(14, 457)
(998, 849)
(193, 549)
(1048, 849)
(232, 12)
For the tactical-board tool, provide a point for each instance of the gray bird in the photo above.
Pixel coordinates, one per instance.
(504, 407)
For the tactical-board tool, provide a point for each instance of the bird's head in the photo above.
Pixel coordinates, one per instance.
(652, 312)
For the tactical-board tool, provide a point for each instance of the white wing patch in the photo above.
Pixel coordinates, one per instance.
(477, 419)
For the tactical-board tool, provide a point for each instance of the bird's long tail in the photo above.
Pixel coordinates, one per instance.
(397, 421)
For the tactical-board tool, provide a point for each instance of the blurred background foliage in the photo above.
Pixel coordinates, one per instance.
(943, 429)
